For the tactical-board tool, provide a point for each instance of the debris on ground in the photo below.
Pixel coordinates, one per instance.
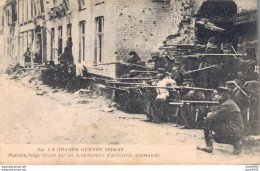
(105, 108)
(55, 91)
(83, 102)
(40, 92)
(251, 141)
(82, 91)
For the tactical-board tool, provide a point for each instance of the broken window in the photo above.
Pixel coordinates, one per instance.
(82, 4)
(82, 52)
(60, 40)
(99, 39)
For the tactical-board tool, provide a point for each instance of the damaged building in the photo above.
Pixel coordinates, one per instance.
(101, 33)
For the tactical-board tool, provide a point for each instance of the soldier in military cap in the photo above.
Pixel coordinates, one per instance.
(226, 122)
(212, 46)
(160, 62)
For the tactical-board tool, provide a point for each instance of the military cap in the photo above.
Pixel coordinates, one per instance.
(155, 55)
(212, 40)
(133, 53)
(223, 90)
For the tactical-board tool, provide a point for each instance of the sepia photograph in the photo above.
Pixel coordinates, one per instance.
(143, 82)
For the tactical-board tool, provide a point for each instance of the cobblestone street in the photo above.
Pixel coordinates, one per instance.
(63, 118)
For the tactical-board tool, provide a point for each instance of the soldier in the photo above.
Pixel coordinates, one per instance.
(134, 58)
(212, 46)
(248, 101)
(161, 62)
(226, 122)
(158, 108)
(227, 49)
(66, 57)
(187, 112)
(177, 73)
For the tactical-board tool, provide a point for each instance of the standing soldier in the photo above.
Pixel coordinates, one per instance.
(226, 122)
(212, 46)
(27, 58)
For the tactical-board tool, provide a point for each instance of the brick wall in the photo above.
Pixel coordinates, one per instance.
(143, 26)
(247, 5)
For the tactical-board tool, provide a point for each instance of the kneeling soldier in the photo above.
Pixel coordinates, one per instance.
(226, 122)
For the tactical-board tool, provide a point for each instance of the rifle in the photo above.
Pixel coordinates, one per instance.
(181, 103)
(194, 102)
(179, 87)
(197, 70)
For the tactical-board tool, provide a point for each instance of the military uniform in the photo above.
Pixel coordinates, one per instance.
(27, 58)
(66, 57)
(226, 122)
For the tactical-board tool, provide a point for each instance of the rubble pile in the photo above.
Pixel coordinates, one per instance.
(61, 77)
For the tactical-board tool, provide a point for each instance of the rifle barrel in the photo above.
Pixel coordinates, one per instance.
(179, 87)
(194, 102)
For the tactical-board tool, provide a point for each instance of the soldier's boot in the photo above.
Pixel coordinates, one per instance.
(209, 148)
(238, 147)
(209, 141)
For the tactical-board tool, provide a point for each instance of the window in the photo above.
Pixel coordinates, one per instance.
(69, 43)
(8, 17)
(26, 10)
(22, 11)
(60, 40)
(38, 7)
(99, 39)
(82, 45)
(69, 30)
(42, 6)
(66, 4)
(29, 9)
(82, 4)
(52, 44)
(2, 21)
(30, 39)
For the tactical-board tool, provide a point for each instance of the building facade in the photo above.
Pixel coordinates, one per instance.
(101, 33)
